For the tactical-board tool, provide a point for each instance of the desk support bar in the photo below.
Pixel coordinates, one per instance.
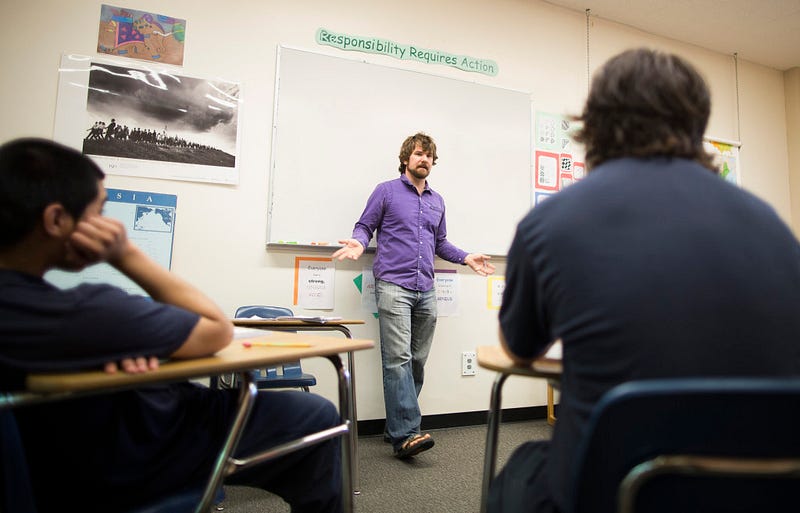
(247, 395)
(227, 465)
(490, 458)
(351, 366)
(237, 464)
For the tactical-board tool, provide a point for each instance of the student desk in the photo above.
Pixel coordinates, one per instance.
(341, 326)
(495, 358)
(237, 359)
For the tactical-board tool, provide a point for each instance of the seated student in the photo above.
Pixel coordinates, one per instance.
(114, 452)
(651, 267)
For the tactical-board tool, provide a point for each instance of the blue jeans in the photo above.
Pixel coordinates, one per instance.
(407, 320)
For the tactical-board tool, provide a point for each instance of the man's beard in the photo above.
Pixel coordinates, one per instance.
(419, 172)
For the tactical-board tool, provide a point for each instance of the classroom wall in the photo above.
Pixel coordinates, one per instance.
(792, 83)
(220, 230)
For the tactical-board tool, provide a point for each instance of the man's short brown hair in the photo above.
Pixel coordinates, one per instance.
(426, 143)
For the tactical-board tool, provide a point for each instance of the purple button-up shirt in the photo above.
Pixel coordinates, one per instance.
(411, 230)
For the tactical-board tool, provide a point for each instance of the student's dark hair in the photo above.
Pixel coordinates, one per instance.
(35, 173)
(645, 103)
(424, 140)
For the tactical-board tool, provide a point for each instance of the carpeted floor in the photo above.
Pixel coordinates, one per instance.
(446, 479)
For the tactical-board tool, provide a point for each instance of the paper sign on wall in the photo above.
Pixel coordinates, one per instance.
(447, 302)
(558, 160)
(368, 303)
(314, 283)
(494, 292)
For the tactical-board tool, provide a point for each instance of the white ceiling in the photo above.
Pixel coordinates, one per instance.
(763, 31)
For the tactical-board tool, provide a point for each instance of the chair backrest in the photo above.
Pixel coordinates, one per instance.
(289, 369)
(265, 312)
(740, 419)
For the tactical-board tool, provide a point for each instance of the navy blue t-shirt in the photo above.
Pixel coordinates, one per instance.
(44, 328)
(105, 446)
(647, 269)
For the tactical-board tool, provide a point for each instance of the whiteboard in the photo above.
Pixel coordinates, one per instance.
(337, 131)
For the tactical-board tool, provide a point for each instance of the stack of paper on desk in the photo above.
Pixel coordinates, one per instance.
(550, 361)
(307, 318)
(240, 332)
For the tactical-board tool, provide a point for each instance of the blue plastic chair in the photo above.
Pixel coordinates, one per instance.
(682, 445)
(288, 375)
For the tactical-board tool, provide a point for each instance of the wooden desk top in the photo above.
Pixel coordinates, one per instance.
(254, 323)
(233, 358)
(495, 358)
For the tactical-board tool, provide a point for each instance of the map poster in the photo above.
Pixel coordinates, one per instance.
(149, 219)
(141, 35)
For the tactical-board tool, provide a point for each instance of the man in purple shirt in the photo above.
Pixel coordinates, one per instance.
(411, 230)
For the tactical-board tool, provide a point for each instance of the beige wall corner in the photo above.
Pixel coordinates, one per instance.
(792, 94)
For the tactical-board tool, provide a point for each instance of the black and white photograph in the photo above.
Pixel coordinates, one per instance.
(152, 122)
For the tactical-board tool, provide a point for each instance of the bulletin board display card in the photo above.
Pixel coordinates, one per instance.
(338, 127)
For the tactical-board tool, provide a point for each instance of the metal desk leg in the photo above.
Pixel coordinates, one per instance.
(490, 457)
(247, 394)
(346, 410)
(352, 412)
(354, 426)
(345, 397)
(351, 366)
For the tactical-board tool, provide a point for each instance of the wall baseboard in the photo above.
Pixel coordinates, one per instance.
(449, 420)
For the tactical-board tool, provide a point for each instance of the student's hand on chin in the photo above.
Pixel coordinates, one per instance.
(99, 239)
(74, 260)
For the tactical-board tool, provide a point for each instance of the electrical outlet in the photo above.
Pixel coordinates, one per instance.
(469, 363)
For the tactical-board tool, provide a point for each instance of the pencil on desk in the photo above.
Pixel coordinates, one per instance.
(248, 343)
